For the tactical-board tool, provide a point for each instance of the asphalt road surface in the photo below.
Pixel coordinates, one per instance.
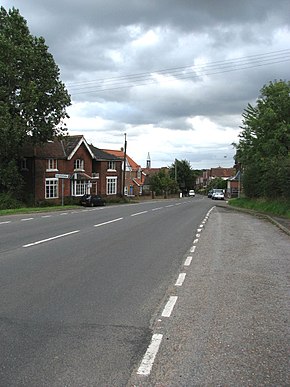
(230, 322)
(81, 290)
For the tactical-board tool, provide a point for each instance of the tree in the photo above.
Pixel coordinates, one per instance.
(183, 174)
(33, 100)
(264, 146)
(162, 183)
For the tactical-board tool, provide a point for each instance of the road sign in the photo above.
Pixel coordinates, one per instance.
(62, 176)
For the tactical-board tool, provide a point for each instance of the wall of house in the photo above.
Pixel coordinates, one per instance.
(101, 167)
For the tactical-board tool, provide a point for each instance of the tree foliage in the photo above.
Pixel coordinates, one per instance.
(33, 100)
(184, 175)
(264, 146)
(162, 183)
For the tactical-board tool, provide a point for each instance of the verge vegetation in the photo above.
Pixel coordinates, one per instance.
(279, 207)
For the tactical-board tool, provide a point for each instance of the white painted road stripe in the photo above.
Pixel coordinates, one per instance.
(195, 241)
(139, 213)
(149, 357)
(46, 216)
(24, 220)
(8, 221)
(192, 250)
(169, 306)
(110, 221)
(188, 261)
(52, 238)
(180, 279)
(158, 208)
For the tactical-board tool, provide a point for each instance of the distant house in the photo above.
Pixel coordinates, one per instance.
(214, 173)
(133, 176)
(66, 168)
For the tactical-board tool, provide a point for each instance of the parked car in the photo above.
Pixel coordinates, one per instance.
(92, 200)
(218, 194)
(191, 193)
(209, 194)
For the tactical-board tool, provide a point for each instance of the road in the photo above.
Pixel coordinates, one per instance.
(80, 290)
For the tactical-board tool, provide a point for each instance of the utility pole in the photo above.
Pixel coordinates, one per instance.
(124, 166)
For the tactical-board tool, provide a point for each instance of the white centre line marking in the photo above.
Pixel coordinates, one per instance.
(50, 239)
(109, 221)
(63, 213)
(46, 216)
(139, 213)
(180, 279)
(24, 220)
(8, 221)
(149, 357)
(195, 241)
(169, 306)
(199, 230)
(158, 208)
(169, 205)
(188, 261)
(192, 250)
(197, 235)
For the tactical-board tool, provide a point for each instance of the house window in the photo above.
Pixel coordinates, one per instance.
(80, 187)
(79, 164)
(51, 188)
(112, 165)
(111, 185)
(51, 165)
(23, 165)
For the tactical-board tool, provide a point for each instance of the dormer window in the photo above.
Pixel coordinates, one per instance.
(51, 165)
(79, 164)
(112, 165)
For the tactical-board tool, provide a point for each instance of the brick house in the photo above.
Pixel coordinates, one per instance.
(64, 168)
(133, 179)
(213, 173)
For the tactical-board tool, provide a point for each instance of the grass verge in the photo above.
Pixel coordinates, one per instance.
(271, 207)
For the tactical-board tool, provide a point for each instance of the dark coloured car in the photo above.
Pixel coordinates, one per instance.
(92, 200)
(209, 194)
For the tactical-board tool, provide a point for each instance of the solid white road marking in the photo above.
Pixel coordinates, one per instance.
(188, 260)
(180, 279)
(50, 239)
(149, 357)
(169, 306)
(110, 221)
(139, 213)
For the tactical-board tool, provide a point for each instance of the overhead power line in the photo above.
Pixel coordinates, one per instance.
(180, 73)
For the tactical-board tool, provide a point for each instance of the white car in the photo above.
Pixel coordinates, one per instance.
(191, 193)
(218, 194)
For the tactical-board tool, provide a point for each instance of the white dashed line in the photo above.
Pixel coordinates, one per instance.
(156, 209)
(199, 230)
(192, 249)
(195, 241)
(110, 221)
(50, 239)
(180, 279)
(169, 306)
(139, 213)
(188, 260)
(169, 205)
(8, 221)
(26, 219)
(46, 216)
(149, 357)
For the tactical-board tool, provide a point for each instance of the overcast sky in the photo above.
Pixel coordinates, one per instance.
(174, 75)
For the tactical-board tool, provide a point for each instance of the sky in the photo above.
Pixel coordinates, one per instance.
(173, 75)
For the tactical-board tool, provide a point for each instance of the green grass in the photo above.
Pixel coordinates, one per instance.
(28, 210)
(273, 207)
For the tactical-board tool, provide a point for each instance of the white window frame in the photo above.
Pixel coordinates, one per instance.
(51, 165)
(111, 165)
(111, 186)
(51, 188)
(79, 165)
(80, 187)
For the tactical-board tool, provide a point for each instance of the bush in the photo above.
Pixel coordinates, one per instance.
(7, 201)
